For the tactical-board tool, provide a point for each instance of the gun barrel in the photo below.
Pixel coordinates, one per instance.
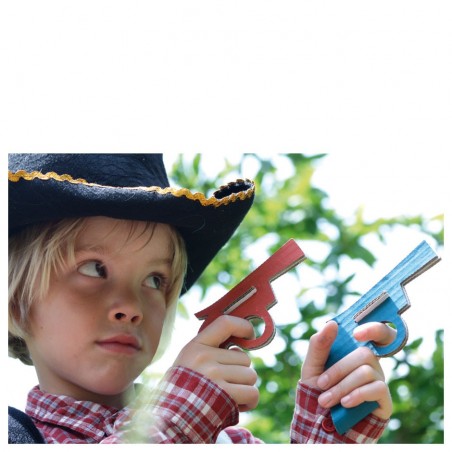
(417, 262)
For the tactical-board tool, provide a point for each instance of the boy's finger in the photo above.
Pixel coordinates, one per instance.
(338, 382)
(374, 391)
(362, 358)
(223, 328)
(377, 332)
(319, 350)
(246, 396)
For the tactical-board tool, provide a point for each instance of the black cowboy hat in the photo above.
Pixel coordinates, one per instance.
(47, 187)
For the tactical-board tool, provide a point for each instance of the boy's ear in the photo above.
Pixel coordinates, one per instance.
(18, 325)
(17, 348)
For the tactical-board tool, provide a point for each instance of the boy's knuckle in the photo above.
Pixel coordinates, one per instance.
(365, 354)
(200, 357)
(225, 321)
(213, 372)
(339, 390)
(319, 341)
(367, 372)
(241, 357)
(252, 376)
(381, 387)
(253, 398)
(246, 360)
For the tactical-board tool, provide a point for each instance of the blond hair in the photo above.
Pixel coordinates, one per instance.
(39, 250)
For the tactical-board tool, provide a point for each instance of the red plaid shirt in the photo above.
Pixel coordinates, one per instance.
(186, 408)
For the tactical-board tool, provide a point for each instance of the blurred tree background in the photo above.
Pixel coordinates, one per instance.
(291, 207)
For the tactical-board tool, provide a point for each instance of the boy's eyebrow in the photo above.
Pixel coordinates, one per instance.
(103, 250)
(163, 260)
(96, 248)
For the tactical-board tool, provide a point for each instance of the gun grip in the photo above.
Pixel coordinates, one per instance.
(387, 312)
(345, 418)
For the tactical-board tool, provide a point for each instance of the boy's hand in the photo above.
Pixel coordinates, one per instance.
(228, 368)
(354, 379)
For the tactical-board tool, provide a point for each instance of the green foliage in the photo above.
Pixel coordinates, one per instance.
(291, 206)
(418, 396)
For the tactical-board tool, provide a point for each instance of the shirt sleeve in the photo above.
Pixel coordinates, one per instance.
(313, 424)
(185, 408)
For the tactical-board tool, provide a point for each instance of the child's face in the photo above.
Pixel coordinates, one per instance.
(100, 323)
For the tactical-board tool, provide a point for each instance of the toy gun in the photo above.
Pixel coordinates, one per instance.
(253, 297)
(385, 302)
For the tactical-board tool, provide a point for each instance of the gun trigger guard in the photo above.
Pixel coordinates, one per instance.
(397, 344)
(253, 344)
(388, 313)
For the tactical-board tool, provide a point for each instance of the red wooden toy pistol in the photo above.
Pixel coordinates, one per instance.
(256, 288)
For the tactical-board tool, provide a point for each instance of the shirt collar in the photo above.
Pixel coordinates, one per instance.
(86, 418)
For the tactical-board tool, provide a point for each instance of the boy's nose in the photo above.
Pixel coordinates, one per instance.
(126, 310)
(133, 318)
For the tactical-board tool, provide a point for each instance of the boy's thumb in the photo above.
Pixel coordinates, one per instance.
(223, 328)
(319, 350)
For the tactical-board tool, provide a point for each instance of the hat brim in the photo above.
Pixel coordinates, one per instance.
(206, 224)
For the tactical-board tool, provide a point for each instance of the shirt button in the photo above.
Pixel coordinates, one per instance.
(327, 425)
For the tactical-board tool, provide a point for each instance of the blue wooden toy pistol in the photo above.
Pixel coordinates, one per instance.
(385, 302)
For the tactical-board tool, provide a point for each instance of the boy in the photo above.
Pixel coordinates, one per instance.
(100, 250)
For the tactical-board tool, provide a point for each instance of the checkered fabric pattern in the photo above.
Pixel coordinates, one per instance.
(185, 408)
(312, 424)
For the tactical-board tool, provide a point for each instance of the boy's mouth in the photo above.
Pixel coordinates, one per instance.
(123, 343)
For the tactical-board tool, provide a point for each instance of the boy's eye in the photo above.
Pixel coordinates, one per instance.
(154, 282)
(93, 269)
